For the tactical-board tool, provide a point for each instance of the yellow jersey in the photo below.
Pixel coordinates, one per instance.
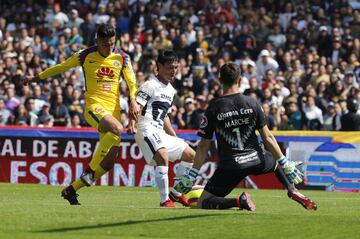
(102, 75)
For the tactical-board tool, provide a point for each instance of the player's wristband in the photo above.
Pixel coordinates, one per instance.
(193, 173)
(283, 161)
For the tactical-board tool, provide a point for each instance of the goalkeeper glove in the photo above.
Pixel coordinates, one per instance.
(293, 174)
(186, 181)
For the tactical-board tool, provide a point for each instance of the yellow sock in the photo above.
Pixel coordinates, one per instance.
(107, 140)
(78, 184)
(99, 172)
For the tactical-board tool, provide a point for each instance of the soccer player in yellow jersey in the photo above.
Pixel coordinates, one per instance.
(103, 66)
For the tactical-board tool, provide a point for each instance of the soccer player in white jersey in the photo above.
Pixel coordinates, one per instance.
(154, 133)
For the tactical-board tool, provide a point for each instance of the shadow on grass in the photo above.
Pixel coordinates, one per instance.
(126, 223)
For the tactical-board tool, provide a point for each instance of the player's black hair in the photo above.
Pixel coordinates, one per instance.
(105, 31)
(167, 56)
(230, 73)
(352, 105)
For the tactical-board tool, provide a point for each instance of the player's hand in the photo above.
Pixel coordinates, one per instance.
(184, 183)
(131, 127)
(134, 110)
(291, 171)
(28, 79)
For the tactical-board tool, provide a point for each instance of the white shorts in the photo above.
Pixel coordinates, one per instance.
(152, 139)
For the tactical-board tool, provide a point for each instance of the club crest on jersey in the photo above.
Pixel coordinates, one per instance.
(204, 122)
(116, 63)
(105, 71)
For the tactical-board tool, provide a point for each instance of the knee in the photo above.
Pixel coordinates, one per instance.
(117, 129)
(188, 155)
(161, 157)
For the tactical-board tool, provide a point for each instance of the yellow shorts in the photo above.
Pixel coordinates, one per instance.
(95, 112)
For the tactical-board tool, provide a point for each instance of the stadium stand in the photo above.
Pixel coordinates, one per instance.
(300, 59)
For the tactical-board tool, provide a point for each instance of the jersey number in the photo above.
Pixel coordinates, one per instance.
(238, 137)
(159, 110)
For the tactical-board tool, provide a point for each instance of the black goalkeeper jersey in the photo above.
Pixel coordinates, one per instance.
(234, 119)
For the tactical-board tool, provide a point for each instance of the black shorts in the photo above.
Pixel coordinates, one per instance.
(225, 180)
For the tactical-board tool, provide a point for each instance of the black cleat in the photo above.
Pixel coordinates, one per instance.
(304, 201)
(70, 194)
(246, 202)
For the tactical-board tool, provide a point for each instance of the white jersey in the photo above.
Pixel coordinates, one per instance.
(156, 98)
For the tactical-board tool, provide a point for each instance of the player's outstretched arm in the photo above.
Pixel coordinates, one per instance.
(186, 182)
(56, 69)
(201, 153)
(293, 174)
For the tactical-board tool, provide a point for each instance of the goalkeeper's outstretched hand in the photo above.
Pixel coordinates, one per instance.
(291, 171)
(183, 184)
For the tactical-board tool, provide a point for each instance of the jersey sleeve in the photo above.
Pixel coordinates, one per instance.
(129, 76)
(71, 62)
(207, 125)
(144, 94)
(260, 117)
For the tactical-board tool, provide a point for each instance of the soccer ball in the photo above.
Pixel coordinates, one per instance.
(194, 195)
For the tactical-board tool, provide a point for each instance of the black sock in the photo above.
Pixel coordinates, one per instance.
(279, 172)
(219, 203)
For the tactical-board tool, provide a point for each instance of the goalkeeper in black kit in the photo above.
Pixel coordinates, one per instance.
(234, 118)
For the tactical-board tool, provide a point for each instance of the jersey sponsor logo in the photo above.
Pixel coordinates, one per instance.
(106, 87)
(246, 111)
(105, 81)
(228, 114)
(204, 122)
(105, 71)
(224, 115)
(246, 158)
(166, 97)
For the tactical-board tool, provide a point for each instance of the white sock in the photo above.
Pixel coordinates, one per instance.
(162, 181)
(182, 169)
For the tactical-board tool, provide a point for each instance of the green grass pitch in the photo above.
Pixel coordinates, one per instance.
(37, 211)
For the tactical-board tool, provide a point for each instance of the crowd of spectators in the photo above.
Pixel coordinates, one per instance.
(299, 58)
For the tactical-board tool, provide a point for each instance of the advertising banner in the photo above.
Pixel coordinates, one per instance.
(57, 156)
(329, 166)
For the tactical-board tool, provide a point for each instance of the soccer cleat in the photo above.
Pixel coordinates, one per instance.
(168, 203)
(180, 199)
(87, 176)
(306, 202)
(70, 194)
(245, 202)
